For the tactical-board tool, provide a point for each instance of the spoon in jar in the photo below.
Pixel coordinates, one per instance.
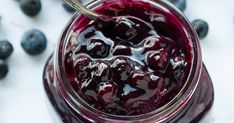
(126, 24)
(87, 12)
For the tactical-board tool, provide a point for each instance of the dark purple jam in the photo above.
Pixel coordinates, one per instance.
(131, 66)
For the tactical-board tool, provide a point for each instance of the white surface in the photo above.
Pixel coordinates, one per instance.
(22, 97)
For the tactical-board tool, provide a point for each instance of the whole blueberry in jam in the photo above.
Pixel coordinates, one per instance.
(158, 60)
(178, 65)
(131, 66)
(102, 72)
(122, 48)
(81, 63)
(156, 42)
(131, 28)
(98, 48)
(121, 68)
(106, 91)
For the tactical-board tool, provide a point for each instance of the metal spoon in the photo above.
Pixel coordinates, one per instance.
(106, 20)
(85, 11)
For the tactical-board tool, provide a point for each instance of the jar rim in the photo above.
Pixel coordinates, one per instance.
(73, 99)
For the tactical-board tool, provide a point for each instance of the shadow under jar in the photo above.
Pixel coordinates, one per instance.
(161, 79)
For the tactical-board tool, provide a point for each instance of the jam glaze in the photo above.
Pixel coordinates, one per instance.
(131, 65)
(200, 103)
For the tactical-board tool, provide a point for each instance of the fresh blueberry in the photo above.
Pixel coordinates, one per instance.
(180, 4)
(201, 28)
(30, 7)
(34, 42)
(3, 69)
(6, 49)
(68, 7)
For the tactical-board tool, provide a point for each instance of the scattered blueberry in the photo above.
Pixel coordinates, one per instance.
(68, 7)
(30, 7)
(201, 28)
(180, 4)
(34, 42)
(6, 49)
(3, 69)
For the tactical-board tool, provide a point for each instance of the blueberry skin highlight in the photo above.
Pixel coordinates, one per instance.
(34, 42)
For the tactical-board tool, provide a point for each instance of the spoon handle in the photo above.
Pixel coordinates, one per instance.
(82, 9)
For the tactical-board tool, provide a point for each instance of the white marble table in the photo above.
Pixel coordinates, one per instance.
(22, 97)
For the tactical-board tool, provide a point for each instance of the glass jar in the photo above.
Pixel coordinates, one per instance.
(190, 105)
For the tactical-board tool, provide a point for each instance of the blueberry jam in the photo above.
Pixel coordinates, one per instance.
(131, 66)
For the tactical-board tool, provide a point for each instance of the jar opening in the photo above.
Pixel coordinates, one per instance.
(192, 47)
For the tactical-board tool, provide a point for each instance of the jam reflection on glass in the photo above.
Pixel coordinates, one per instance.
(131, 66)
